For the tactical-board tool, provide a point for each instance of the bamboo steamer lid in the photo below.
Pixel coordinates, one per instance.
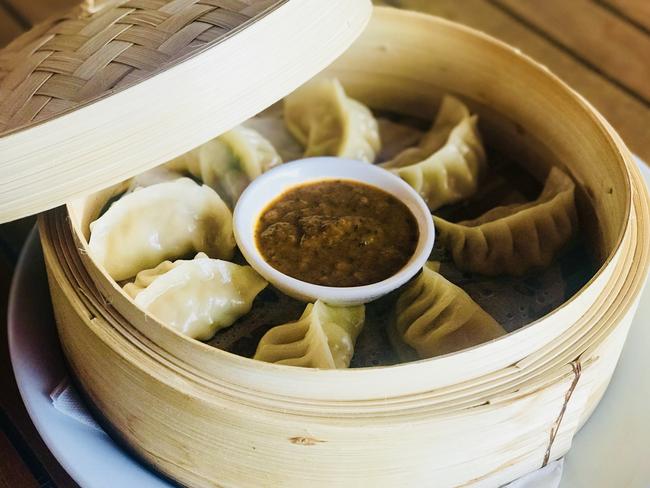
(81, 109)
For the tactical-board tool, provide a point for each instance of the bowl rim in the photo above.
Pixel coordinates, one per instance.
(282, 178)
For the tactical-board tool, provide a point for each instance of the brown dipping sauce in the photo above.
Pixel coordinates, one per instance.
(337, 233)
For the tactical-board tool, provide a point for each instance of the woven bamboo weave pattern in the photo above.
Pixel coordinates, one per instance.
(70, 60)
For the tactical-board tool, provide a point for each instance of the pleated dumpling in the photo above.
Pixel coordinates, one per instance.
(434, 317)
(196, 297)
(229, 162)
(447, 164)
(270, 124)
(162, 221)
(323, 337)
(329, 123)
(513, 239)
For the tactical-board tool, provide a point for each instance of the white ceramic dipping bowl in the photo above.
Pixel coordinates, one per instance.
(266, 188)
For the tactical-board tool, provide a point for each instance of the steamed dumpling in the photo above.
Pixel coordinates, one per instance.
(162, 221)
(196, 297)
(396, 137)
(329, 123)
(446, 165)
(434, 317)
(451, 113)
(513, 239)
(229, 162)
(270, 124)
(323, 337)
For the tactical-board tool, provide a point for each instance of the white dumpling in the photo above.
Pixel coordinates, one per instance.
(513, 239)
(396, 137)
(270, 124)
(329, 123)
(434, 317)
(323, 337)
(163, 221)
(196, 297)
(229, 162)
(446, 165)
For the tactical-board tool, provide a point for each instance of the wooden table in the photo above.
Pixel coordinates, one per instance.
(600, 47)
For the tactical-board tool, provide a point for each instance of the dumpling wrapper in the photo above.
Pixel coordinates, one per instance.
(447, 164)
(229, 162)
(162, 221)
(323, 337)
(395, 137)
(435, 317)
(270, 124)
(328, 123)
(512, 239)
(151, 177)
(196, 297)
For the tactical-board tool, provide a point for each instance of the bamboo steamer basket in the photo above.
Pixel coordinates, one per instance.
(479, 417)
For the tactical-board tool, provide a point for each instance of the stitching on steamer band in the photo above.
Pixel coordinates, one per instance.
(577, 371)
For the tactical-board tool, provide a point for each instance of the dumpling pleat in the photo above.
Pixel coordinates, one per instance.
(327, 122)
(446, 165)
(418, 305)
(229, 162)
(515, 238)
(196, 297)
(442, 321)
(438, 318)
(418, 324)
(323, 337)
(163, 221)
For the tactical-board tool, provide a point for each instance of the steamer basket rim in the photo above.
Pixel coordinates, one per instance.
(614, 143)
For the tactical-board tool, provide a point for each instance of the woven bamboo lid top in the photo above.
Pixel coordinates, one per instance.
(80, 107)
(68, 61)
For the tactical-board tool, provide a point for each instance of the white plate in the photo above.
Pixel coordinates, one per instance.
(89, 456)
(612, 449)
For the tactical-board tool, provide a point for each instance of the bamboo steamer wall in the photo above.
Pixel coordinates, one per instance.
(480, 417)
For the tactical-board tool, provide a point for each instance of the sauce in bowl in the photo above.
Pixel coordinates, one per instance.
(338, 233)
